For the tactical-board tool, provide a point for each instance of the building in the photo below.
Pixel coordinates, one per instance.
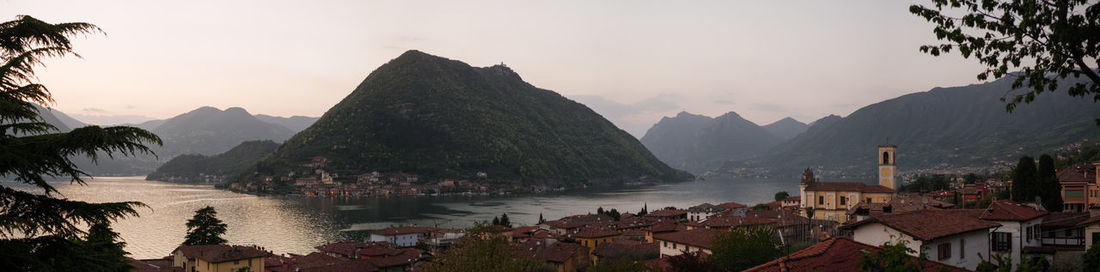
(953, 237)
(679, 242)
(670, 214)
(219, 258)
(837, 254)
(626, 248)
(406, 236)
(562, 256)
(592, 238)
(702, 211)
(832, 200)
(1079, 187)
(1020, 228)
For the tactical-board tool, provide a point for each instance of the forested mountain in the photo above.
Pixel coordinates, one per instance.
(202, 168)
(786, 128)
(697, 143)
(210, 131)
(942, 128)
(296, 123)
(442, 118)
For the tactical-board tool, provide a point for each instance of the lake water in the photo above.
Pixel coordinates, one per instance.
(296, 225)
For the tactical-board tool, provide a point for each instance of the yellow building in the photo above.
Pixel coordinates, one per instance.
(591, 238)
(219, 258)
(832, 200)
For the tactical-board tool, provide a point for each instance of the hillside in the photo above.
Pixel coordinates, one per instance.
(210, 131)
(697, 143)
(944, 128)
(295, 123)
(202, 168)
(786, 128)
(442, 118)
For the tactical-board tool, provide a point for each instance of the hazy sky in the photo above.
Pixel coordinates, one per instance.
(632, 61)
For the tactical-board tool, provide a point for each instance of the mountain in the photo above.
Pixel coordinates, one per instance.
(699, 143)
(67, 120)
(944, 128)
(786, 128)
(442, 118)
(296, 123)
(202, 168)
(50, 116)
(209, 131)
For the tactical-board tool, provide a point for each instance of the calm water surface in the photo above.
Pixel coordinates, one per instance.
(296, 225)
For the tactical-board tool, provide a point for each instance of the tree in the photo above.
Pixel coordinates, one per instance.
(1090, 261)
(894, 257)
(504, 220)
(761, 207)
(643, 212)
(496, 221)
(1049, 40)
(1050, 189)
(482, 250)
(693, 262)
(205, 228)
(103, 246)
(540, 219)
(745, 247)
(622, 264)
(1024, 184)
(780, 196)
(40, 228)
(599, 210)
(614, 214)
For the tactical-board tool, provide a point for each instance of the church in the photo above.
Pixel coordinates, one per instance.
(832, 200)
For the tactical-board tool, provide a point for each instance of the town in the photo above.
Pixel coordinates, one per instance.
(830, 225)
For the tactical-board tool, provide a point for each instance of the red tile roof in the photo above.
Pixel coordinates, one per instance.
(667, 213)
(918, 223)
(153, 265)
(1083, 172)
(1004, 210)
(619, 248)
(391, 231)
(221, 253)
(348, 248)
(847, 187)
(558, 252)
(835, 254)
(596, 233)
(732, 205)
(696, 237)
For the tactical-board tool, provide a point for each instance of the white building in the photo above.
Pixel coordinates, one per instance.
(401, 236)
(953, 237)
(700, 212)
(1020, 228)
(678, 242)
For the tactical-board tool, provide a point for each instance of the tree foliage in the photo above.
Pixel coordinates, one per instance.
(1090, 261)
(745, 247)
(622, 264)
(1048, 40)
(40, 229)
(205, 228)
(1025, 187)
(780, 196)
(894, 257)
(1049, 187)
(693, 262)
(482, 250)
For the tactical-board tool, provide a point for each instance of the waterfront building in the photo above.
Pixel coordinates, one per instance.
(405, 236)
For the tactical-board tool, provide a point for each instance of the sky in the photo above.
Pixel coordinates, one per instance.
(631, 61)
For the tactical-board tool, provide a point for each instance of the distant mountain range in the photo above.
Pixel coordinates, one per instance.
(698, 143)
(944, 128)
(442, 118)
(203, 131)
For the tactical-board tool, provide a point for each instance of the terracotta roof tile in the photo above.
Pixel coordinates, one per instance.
(618, 248)
(835, 254)
(1064, 219)
(667, 213)
(1004, 210)
(917, 224)
(221, 253)
(1082, 172)
(847, 187)
(696, 237)
(591, 233)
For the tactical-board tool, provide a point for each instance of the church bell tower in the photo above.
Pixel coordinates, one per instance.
(887, 170)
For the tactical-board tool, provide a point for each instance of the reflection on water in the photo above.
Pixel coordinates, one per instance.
(296, 225)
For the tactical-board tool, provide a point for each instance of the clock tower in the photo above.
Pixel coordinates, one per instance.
(887, 169)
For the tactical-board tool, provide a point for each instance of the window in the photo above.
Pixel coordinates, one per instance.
(1029, 230)
(237, 262)
(944, 251)
(868, 200)
(820, 200)
(1069, 232)
(843, 200)
(666, 243)
(673, 245)
(962, 248)
(1095, 237)
(1002, 241)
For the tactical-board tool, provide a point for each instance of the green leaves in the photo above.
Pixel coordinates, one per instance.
(205, 228)
(1049, 40)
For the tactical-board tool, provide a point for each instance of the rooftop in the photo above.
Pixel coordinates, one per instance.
(221, 253)
(918, 225)
(836, 254)
(1004, 210)
(696, 237)
(847, 187)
